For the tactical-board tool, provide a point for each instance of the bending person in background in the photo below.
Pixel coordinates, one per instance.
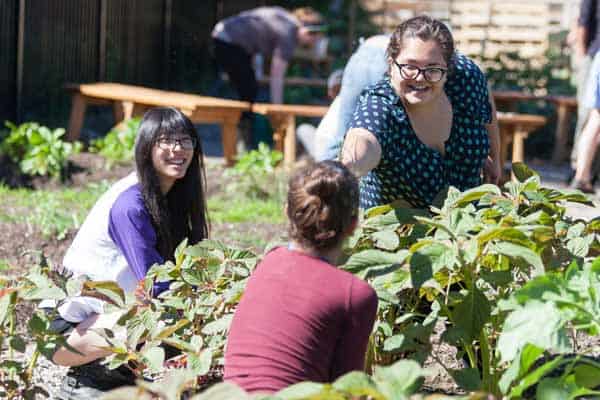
(366, 67)
(272, 32)
(429, 123)
(138, 222)
(590, 135)
(300, 318)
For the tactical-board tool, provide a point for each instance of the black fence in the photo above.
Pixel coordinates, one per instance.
(47, 43)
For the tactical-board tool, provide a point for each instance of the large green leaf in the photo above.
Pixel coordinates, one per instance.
(200, 365)
(171, 386)
(106, 290)
(303, 390)
(360, 263)
(520, 366)
(220, 325)
(475, 193)
(358, 384)
(517, 251)
(399, 380)
(534, 377)
(537, 323)
(522, 171)
(467, 378)
(587, 375)
(396, 216)
(386, 240)
(222, 391)
(154, 357)
(505, 234)
(7, 301)
(471, 314)
(394, 343)
(427, 259)
(127, 392)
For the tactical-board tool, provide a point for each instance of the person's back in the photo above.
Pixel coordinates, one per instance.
(294, 311)
(300, 318)
(261, 30)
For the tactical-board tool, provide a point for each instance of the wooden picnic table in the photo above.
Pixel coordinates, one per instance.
(283, 121)
(516, 128)
(130, 101)
(565, 106)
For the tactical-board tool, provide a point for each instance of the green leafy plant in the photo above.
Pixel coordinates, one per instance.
(118, 144)
(38, 150)
(16, 373)
(396, 382)
(254, 171)
(193, 316)
(456, 265)
(561, 299)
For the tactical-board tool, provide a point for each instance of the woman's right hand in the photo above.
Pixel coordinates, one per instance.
(361, 152)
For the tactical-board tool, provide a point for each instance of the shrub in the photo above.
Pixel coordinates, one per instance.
(459, 264)
(38, 150)
(118, 144)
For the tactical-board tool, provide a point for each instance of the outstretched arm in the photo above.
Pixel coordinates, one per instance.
(361, 152)
(278, 68)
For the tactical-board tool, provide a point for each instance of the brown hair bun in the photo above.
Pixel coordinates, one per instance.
(321, 205)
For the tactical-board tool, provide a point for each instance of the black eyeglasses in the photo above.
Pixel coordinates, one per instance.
(166, 142)
(431, 74)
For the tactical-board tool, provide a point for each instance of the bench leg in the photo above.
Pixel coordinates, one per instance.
(518, 151)
(229, 139)
(77, 115)
(560, 136)
(505, 139)
(289, 147)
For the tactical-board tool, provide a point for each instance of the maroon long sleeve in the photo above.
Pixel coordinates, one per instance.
(299, 319)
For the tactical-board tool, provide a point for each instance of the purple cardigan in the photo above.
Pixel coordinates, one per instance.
(130, 228)
(299, 319)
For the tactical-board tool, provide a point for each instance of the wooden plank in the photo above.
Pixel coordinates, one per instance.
(168, 16)
(20, 56)
(292, 109)
(102, 41)
(155, 97)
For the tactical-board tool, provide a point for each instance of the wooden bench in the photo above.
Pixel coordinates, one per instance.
(565, 106)
(283, 121)
(130, 101)
(514, 128)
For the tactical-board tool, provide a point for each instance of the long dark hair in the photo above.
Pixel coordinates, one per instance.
(181, 213)
(322, 203)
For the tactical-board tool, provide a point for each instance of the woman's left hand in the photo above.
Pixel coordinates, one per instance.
(492, 171)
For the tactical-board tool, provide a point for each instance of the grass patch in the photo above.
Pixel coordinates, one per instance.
(243, 209)
(53, 212)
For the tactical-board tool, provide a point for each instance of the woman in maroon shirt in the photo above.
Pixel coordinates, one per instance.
(301, 318)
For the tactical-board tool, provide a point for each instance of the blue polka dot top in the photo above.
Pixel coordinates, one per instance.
(409, 169)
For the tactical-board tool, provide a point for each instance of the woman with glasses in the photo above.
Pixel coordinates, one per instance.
(138, 222)
(429, 123)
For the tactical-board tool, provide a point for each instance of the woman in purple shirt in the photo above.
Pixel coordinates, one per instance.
(301, 318)
(138, 222)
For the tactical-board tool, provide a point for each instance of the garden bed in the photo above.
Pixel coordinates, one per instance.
(24, 240)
